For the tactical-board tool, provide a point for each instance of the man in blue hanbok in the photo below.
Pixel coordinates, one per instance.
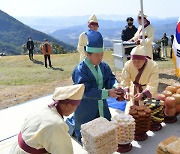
(99, 84)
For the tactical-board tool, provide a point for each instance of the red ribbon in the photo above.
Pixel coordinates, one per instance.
(138, 57)
(27, 148)
(94, 24)
(136, 82)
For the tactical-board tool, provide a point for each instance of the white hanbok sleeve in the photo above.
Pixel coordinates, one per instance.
(56, 140)
(136, 35)
(150, 36)
(126, 76)
(81, 44)
(152, 86)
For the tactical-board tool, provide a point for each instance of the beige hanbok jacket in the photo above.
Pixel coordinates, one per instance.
(45, 129)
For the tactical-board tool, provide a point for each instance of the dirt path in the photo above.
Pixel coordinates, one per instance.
(12, 95)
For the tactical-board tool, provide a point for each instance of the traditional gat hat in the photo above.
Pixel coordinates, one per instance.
(138, 53)
(95, 42)
(69, 94)
(139, 15)
(93, 20)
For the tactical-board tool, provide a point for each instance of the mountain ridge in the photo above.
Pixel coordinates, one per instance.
(68, 29)
(13, 34)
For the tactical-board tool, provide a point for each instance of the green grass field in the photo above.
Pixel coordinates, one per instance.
(22, 79)
(19, 70)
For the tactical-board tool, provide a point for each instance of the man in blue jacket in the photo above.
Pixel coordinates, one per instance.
(99, 82)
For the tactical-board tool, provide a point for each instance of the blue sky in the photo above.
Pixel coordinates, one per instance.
(157, 8)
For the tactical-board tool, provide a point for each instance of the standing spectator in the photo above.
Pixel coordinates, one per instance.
(149, 35)
(30, 47)
(128, 33)
(83, 39)
(172, 39)
(164, 43)
(46, 50)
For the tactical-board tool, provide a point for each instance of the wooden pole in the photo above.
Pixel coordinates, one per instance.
(142, 21)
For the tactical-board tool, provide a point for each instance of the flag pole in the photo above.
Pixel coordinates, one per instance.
(142, 21)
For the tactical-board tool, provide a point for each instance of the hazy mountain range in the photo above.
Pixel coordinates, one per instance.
(13, 34)
(68, 29)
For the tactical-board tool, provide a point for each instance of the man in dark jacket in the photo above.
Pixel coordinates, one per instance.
(128, 33)
(30, 47)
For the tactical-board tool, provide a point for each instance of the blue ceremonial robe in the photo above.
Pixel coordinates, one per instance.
(88, 109)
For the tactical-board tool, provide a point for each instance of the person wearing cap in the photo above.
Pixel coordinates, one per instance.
(45, 131)
(46, 50)
(99, 82)
(128, 33)
(83, 39)
(140, 77)
(149, 35)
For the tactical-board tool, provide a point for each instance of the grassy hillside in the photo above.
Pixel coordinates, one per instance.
(22, 79)
(13, 34)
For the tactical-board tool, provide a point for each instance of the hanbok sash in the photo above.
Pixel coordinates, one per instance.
(147, 24)
(27, 148)
(137, 85)
(99, 80)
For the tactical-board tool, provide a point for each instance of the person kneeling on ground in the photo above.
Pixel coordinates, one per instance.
(140, 77)
(46, 131)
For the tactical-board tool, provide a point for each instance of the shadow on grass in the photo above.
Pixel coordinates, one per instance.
(167, 76)
(57, 69)
(37, 62)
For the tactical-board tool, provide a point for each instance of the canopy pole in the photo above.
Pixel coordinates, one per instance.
(142, 21)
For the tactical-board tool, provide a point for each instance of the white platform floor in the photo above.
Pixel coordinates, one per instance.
(12, 118)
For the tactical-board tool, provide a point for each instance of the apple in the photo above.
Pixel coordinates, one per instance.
(171, 89)
(170, 102)
(160, 97)
(178, 91)
(177, 108)
(170, 112)
(177, 85)
(167, 93)
(177, 98)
